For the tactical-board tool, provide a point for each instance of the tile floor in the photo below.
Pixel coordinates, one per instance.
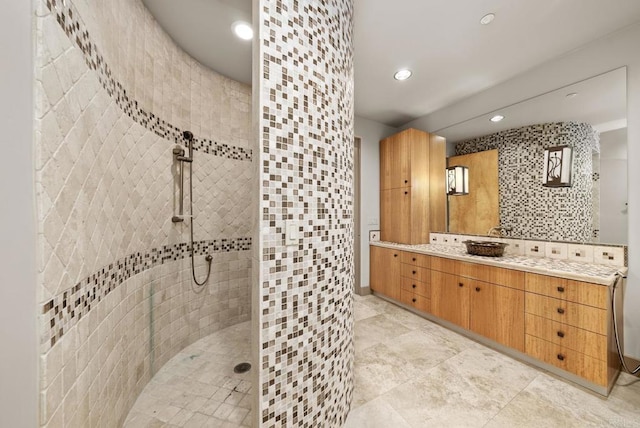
(198, 388)
(411, 372)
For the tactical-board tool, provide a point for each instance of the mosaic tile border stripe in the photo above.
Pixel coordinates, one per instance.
(69, 20)
(64, 310)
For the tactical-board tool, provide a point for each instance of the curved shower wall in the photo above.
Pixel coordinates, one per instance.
(113, 95)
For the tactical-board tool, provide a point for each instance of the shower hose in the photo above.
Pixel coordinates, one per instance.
(209, 257)
(615, 326)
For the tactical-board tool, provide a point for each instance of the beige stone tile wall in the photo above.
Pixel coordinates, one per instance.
(112, 93)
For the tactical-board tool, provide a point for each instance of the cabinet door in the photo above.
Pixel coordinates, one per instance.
(450, 298)
(395, 161)
(395, 206)
(401, 160)
(385, 271)
(386, 146)
(498, 313)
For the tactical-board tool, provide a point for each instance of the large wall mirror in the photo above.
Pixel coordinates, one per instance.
(588, 116)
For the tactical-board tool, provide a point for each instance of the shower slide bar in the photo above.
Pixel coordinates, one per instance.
(178, 155)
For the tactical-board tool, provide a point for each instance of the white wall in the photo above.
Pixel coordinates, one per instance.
(371, 133)
(613, 187)
(18, 337)
(616, 50)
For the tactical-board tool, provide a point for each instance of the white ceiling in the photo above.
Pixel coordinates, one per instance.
(451, 54)
(599, 101)
(203, 29)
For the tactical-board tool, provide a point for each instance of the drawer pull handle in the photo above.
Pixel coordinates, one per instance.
(560, 334)
(561, 357)
(413, 272)
(477, 288)
(413, 285)
(395, 255)
(460, 284)
(406, 193)
(414, 259)
(561, 289)
(414, 300)
(406, 181)
(560, 311)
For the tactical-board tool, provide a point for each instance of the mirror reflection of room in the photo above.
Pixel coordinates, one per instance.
(508, 195)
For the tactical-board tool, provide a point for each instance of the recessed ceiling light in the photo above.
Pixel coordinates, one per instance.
(403, 74)
(571, 95)
(496, 118)
(487, 19)
(242, 30)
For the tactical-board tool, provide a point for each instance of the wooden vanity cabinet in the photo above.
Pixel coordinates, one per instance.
(415, 281)
(561, 322)
(450, 297)
(412, 188)
(568, 325)
(484, 299)
(385, 271)
(497, 313)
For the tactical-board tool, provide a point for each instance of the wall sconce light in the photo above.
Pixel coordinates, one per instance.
(557, 167)
(457, 180)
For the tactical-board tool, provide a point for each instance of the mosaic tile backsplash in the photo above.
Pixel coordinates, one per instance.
(530, 209)
(306, 351)
(113, 95)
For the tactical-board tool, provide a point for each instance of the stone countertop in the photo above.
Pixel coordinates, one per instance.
(587, 272)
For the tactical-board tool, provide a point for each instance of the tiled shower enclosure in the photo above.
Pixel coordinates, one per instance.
(113, 96)
(116, 300)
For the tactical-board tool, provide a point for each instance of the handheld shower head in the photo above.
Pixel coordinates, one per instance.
(188, 135)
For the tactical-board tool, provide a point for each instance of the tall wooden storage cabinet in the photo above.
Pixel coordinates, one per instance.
(412, 186)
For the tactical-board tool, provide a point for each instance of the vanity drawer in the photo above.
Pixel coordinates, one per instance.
(415, 259)
(582, 365)
(576, 339)
(494, 275)
(418, 287)
(585, 317)
(417, 301)
(573, 291)
(414, 272)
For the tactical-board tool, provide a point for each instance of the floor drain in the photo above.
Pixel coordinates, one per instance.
(242, 368)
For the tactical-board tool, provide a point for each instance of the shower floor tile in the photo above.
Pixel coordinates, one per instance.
(198, 387)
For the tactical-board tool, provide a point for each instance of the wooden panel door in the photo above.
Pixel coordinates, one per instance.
(498, 313)
(385, 271)
(450, 298)
(395, 206)
(478, 211)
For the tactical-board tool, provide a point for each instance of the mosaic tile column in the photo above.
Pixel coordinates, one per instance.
(305, 326)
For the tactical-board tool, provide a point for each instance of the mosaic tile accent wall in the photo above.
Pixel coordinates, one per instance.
(532, 210)
(595, 194)
(113, 94)
(305, 326)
